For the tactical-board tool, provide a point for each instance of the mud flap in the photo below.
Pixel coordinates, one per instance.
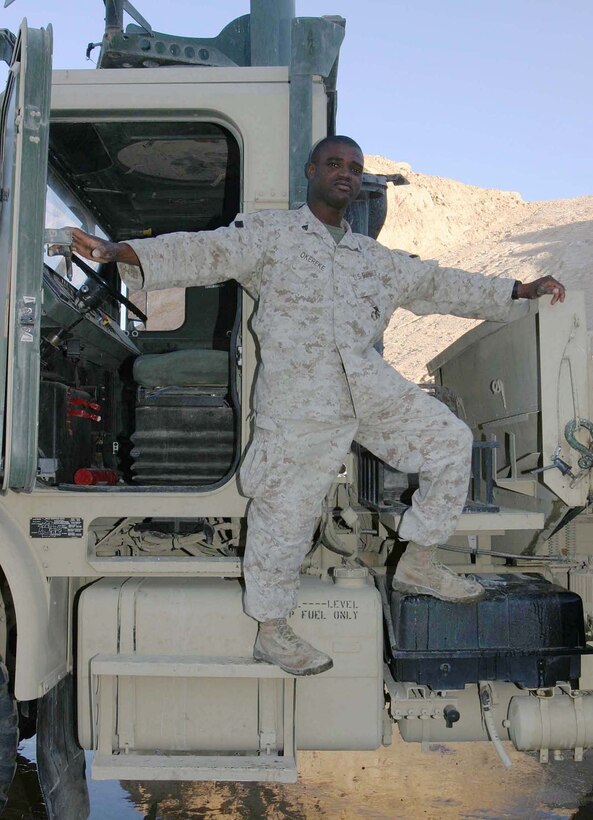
(60, 760)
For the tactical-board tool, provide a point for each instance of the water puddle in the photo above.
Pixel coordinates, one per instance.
(109, 799)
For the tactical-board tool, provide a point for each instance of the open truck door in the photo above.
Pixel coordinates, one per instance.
(23, 155)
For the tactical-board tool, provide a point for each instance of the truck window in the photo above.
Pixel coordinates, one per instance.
(164, 309)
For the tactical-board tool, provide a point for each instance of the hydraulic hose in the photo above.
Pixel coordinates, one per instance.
(488, 715)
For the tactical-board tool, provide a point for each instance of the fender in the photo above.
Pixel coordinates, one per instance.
(36, 667)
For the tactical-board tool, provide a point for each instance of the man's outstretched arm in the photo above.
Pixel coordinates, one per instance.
(184, 259)
(426, 287)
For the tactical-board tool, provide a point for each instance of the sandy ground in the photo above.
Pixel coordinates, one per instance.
(492, 232)
(456, 781)
(448, 782)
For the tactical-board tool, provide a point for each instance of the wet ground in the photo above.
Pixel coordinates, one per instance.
(448, 782)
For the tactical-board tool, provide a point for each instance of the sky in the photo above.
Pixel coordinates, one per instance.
(495, 93)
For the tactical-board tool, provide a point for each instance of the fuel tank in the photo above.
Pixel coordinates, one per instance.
(187, 619)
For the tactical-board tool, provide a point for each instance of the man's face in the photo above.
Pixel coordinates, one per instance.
(336, 175)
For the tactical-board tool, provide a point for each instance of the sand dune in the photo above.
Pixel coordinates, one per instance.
(492, 232)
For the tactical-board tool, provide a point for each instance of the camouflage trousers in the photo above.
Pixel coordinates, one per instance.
(290, 466)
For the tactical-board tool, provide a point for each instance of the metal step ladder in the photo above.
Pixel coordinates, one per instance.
(118, 764)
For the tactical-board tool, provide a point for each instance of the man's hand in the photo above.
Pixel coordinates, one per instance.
(99, 250)
(541, 287)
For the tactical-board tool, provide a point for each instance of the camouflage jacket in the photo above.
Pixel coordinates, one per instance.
(320, 306)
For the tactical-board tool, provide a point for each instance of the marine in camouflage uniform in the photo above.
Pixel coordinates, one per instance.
(321, 306)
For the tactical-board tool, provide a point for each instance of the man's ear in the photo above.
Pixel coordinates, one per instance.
(309, 166)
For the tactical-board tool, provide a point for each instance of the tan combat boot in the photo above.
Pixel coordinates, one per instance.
(419, 572)
(276, 643)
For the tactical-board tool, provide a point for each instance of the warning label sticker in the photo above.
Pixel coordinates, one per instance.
(56, 528)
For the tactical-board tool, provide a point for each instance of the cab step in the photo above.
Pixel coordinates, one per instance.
(275, 761)
(266, 768)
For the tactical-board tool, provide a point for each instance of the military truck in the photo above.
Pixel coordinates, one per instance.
(125, 417)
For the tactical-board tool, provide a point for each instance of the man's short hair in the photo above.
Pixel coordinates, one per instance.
(314, 152)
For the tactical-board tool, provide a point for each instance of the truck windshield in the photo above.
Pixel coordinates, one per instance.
(59, 214)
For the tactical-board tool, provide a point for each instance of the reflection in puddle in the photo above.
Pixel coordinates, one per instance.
(448, 782)
(110, 799)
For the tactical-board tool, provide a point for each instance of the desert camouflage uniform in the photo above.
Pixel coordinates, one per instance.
(320, 308)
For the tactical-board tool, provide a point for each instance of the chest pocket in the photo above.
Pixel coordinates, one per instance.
(368, 296)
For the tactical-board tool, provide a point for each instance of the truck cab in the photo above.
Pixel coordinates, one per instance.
(125, 416)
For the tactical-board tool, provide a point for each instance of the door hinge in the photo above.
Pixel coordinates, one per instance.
(4, 194)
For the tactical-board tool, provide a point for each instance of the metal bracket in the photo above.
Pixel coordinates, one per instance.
(516, 484)
(63, 238)
(57, 236)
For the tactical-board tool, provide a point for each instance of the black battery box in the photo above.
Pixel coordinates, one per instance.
(525, 629)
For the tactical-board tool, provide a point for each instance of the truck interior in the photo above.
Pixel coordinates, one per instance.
(138, 391)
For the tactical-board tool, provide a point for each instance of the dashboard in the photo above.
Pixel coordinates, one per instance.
(101, 340)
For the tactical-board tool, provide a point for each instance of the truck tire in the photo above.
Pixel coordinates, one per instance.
(9, 736)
